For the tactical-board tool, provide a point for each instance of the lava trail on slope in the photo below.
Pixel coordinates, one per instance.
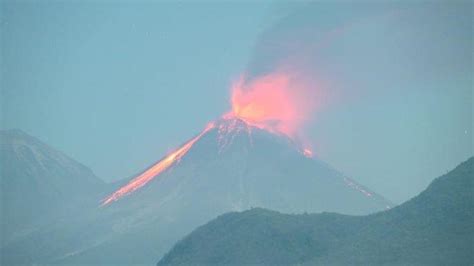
(274, 103)
(156, 169)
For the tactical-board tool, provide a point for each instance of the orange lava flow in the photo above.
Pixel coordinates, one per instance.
(156, 169)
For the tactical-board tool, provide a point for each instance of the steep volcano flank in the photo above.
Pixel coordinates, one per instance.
(232, 166)
(158, 168)
(244, 166)
(226, 129)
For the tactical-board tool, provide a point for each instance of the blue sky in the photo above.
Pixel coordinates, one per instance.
(117, 85)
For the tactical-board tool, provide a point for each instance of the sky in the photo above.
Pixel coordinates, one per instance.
(117, 85)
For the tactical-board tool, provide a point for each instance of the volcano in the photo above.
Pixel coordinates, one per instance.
(232, 165)
(238, 165)
(249, 157)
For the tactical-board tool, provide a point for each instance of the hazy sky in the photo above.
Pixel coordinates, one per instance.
(116, 86)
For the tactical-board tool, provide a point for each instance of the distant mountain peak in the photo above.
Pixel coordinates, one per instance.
(27, 147)
(16, 137)
(38, 180)
(12, 131)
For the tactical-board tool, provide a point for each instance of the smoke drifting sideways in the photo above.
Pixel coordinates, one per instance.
(280, 91)
(359, 49)
(322, 55)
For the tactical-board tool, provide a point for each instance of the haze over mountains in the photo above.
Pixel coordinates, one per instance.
(40, 184)
(232, 167)
(434, 228)
(383, 89)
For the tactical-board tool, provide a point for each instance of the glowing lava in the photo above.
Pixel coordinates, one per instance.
(278, 102)
(156, 169)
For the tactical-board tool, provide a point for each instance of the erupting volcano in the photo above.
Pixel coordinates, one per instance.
(278, 102)
(249, 157)
(275, 102)
(261, 134)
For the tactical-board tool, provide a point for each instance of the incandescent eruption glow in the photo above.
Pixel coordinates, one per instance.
(278, 102)
(156, 169)
(308, 152)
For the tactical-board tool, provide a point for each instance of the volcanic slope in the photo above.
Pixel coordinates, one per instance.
(231, 166)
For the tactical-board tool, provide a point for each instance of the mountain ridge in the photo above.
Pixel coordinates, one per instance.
(39, 183)
(436, 227)
(232, 167)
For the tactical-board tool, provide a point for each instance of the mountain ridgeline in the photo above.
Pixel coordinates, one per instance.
(39, 184)
(434, 228)
(232, 166)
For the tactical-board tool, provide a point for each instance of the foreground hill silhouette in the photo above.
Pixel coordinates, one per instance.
(434, 228)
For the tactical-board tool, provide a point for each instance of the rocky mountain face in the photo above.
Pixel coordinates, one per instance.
(434, 228)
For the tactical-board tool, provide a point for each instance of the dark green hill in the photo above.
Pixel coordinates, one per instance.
(434, 228)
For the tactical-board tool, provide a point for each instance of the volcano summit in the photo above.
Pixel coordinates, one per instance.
(259, 131)
(230, 166)
(266, 169)
(247, 158)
